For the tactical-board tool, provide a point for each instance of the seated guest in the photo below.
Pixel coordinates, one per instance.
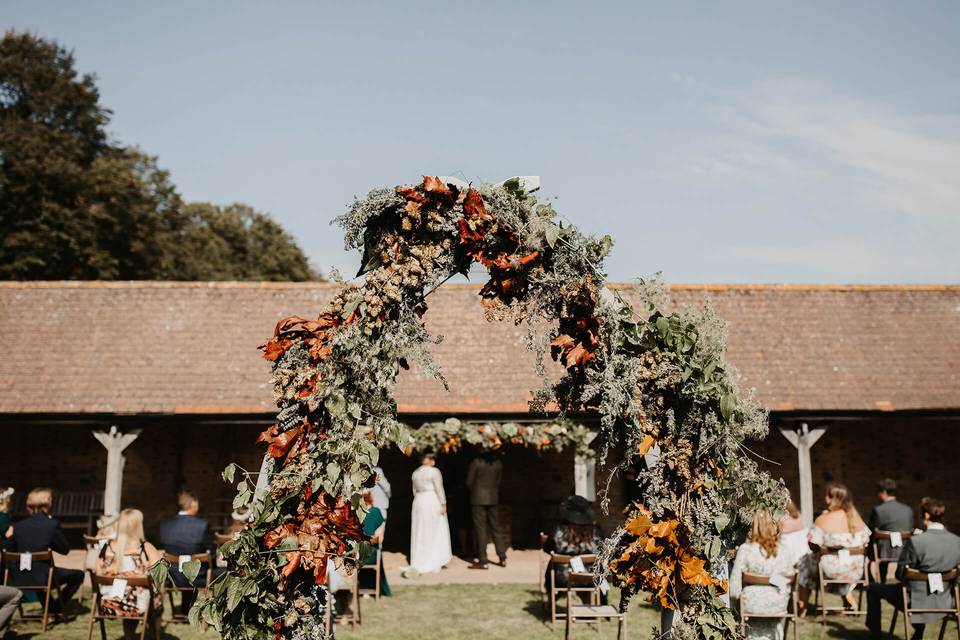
(936, 550)
(9, 602)
(238, 520)
(575, 535)
(130, 555)
(185, 535)
(6, 524)
(889, 515)
(794, 536)
(764, 555)
(839, 527)
(41, 532)
(374, 524)
(341, 584)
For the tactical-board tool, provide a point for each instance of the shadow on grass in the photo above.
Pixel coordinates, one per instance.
(538, 607)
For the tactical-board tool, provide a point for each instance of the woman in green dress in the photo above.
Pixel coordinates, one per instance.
(373, 525)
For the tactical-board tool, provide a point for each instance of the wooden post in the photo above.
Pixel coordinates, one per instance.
(584, 477)
(115, 442)
(803, 438)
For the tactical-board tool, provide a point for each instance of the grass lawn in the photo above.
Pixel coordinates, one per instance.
(442, 612)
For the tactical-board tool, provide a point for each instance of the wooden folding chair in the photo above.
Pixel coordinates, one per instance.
(882, 562)
(951, 582)
(376, 566)
(171, 587)
(558, 560)
(11, 561)
(353, 618)
(100, 614)
(221, 539)
(590, 613)
(860, 583)
(788, 616)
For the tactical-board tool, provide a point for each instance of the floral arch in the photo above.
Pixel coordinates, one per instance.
(652, 379)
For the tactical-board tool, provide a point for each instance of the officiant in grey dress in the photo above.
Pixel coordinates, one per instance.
(483, 480)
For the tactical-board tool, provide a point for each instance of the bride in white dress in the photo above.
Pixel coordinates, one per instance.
(429, 530)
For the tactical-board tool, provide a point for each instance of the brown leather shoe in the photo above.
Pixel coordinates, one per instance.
(478, 565)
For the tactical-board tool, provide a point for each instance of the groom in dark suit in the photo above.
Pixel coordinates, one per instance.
(936, 550)
(483, 479)
(889, 515)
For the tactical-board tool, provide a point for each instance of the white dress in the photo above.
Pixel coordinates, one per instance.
(429, 530)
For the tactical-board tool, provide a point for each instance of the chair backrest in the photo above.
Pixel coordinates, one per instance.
(132, 581)
(37, 556)
(910, 574)
(880, 534)
(561, 559)
(173, 559)
(754, 578)
(854, 551)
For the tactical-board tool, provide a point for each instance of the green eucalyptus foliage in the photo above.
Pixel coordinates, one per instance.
(654, 374)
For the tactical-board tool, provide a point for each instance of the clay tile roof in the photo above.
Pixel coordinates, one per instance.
(155, 347)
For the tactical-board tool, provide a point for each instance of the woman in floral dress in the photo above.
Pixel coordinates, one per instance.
(763, 555)
(839, 527)
(129, 555)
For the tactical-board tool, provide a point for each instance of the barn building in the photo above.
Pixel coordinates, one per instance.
(156, 386)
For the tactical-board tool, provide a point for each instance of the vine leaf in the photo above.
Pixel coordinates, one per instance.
(191, 570)
(159, 571)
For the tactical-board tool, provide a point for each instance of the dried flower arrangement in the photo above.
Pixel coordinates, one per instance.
(657, 382)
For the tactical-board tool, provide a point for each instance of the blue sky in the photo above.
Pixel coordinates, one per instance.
(717, 142)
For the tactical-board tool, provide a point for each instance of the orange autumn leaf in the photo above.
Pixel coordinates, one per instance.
(639, 524)
(665, 529)
(577, 356)
(320, 571)
(278, 535)
(268, 434)
(646, 444)
(473, 205)
(693, 571)
(433, 184)
(293, 561)
(282, 443)
(273, 349)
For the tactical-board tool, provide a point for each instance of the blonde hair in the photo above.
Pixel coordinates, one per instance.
(839, 499)
(39, 499)
(792, 510)
(766, 532)
(5, 496)
(129, 528)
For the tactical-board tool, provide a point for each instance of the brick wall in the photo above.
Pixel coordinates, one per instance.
(920, 453)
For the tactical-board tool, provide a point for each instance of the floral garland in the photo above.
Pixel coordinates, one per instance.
(451, 434)
(657, 382)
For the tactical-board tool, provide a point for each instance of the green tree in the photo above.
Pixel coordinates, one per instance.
(238, 243)
(74, 205)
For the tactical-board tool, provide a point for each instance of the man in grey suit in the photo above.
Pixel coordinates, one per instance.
(889, 515)
(936, 550)
(483, 479)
